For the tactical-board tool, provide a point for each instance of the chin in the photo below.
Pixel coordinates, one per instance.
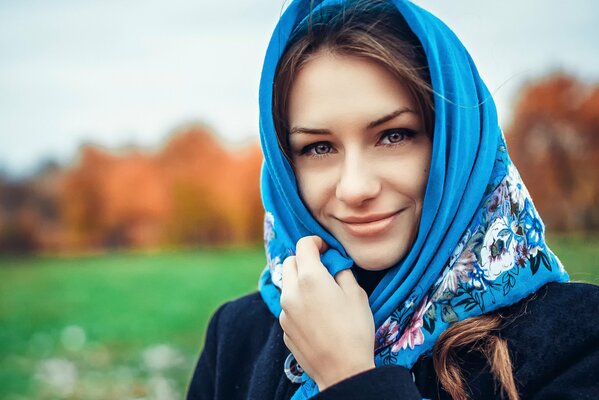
(379, 254)
(375, 262)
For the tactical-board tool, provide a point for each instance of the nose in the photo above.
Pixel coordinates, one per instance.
(358, 182)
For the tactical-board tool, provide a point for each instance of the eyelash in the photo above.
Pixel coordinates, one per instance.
(407, 134)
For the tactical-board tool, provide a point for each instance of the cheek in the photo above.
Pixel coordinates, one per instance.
(421, 169)
(314, 189)
(423, 179)
(408, 178)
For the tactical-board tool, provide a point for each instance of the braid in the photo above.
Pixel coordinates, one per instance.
(478, 334)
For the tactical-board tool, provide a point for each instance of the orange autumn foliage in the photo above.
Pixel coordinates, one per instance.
(196, 191)
(193, 191)
(554, 141)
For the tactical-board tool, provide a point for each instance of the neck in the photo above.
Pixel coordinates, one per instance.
(368, 280)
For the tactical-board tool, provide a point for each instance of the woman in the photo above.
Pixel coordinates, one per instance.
(383, 157)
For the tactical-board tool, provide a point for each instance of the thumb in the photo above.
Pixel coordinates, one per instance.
(320, 243)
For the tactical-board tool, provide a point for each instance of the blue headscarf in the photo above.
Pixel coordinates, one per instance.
(480, 244)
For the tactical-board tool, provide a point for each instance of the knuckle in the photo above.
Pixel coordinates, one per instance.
(361, 293)
(358, 291)
(287, 302)
(284, 301)
(303, 243)
(306, 280)
(282, 319)
(289, 260)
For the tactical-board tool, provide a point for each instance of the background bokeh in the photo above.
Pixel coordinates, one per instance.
(129, 165)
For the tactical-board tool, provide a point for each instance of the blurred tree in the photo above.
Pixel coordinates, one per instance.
(195, 191)
(82, 200)
(554, 141)
(29, 215)
(192, 192)
(16, 230)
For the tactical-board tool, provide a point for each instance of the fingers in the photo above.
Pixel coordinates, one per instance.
(284, 322)
(346, 280)
(289, 273)
(288, 285)
(289, 343)
(308, 250)
(319, 242)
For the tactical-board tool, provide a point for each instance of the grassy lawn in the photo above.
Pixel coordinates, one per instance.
(579, 254)
(130, 326)
(122, 325)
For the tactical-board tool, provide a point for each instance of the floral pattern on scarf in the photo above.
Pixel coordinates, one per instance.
(504, 242)
(480, 245)
(273, 264)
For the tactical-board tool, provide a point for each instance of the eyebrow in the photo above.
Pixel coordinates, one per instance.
(373, 124)
(389, 117)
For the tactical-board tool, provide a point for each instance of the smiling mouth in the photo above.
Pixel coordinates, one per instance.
(370, 225)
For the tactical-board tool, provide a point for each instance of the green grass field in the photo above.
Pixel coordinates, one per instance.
(115, 326)
(131, 326)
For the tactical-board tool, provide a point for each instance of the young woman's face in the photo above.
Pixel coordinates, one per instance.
(360, 154)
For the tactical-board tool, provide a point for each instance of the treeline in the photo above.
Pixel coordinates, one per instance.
(195, 191)
(554, 142)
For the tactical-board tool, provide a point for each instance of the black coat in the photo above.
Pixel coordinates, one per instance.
(553, 338)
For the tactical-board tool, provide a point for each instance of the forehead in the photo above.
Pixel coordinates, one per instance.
(329, 88)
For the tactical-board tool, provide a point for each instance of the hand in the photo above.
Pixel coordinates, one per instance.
(327, 322)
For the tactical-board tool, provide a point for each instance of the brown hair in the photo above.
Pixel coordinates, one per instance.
(375, 30)
(474, 334)
(361, 29)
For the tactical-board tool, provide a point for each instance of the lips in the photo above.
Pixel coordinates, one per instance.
(369, 225)
(366, 219)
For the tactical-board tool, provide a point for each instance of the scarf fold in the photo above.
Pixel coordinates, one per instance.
(480, 244)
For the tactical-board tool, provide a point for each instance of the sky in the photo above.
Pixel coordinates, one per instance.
(130, 72)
